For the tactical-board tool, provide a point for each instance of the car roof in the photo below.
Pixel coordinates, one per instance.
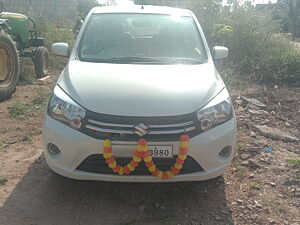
(145, 9)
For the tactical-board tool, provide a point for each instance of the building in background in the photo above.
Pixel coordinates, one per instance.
(46, 9)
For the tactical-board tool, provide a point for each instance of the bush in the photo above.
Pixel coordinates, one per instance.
(55, 33)
(257, 50)
(256, 47)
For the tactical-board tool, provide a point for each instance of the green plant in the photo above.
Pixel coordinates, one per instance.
(240, 167)
(295, 162)
(41, 96)
(55, 32)
(255, 186)
(3, 180)
(27, 138)
(18, 109)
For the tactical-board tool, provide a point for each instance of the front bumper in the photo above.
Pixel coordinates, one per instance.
(76, 147)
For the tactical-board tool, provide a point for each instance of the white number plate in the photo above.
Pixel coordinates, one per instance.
(161, 151)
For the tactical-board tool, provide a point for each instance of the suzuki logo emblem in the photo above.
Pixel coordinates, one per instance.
(141, 129)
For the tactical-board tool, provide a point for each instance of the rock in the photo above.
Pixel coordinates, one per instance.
(240, 201)
(275, 133)
(245, 156)
(257, 112)
(258, 205)
(224, 212)
(272, 184)
(253, 164)
(245, 163)
(44, 80)
(255, 102)
(251, 175)
(218, 218)
(253, 216)
(252, 134)
(141, 208)
(272, 221)
(291, 183)
(239, 102)
(250, 207)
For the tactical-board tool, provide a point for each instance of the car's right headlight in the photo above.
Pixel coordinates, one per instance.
(217, 111)
(62, 108)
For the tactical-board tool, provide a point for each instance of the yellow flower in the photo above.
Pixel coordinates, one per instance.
(170, 174)
(138, 148)
(106, 144)
(130, 167)
(152, 168)
(144, 148)
(160, 174)
(136, 158)
(182, 157)
(121, 171)
(148, 159)
(107, 155)
(112, 165)
(177, 166)
(184, 144)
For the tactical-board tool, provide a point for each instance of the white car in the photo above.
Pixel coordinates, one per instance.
(140, 74)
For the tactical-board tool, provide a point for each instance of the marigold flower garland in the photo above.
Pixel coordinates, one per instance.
(142, 153)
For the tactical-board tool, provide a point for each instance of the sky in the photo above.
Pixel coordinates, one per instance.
(256, 1)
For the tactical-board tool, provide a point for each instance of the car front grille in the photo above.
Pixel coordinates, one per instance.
(96, 164)
(122, 128)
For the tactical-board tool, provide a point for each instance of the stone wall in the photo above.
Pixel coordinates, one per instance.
(46, 9)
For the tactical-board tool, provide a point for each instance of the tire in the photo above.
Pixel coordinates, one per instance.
(9, 66)
(41, 61)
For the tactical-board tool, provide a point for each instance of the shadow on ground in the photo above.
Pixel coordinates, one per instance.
(42, 197)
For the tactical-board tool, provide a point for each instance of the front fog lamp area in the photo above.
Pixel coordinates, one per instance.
(66, 112)
(212, 116)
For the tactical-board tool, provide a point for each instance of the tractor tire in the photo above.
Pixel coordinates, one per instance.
(41, 61)
(9, 66)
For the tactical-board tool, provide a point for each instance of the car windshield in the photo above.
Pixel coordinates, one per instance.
(141, 38)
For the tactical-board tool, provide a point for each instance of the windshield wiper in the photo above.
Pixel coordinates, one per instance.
(135, 59)
(183, 60)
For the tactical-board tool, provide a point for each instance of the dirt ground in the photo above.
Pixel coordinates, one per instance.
(261, 187)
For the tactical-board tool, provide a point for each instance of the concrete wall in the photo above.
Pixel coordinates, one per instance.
(47, 9)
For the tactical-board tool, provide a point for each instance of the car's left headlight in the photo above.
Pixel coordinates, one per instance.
(217, 111)
(62, 108)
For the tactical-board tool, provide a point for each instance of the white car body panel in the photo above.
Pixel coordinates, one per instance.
(140, 90)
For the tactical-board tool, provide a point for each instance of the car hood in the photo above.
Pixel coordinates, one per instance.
(140, 90)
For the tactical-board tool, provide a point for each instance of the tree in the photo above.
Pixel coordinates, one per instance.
(84, 6)
(294, 9)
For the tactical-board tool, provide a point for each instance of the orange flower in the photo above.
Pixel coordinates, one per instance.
(134, 163)
(127, 170)
(149, 164)
(156, 172)
(184, 138)
(117, 169)
(184, 150)
(106, 150)
(142, 142)
(110, 160)
(179, 161)
(175, 171)
(142, 153)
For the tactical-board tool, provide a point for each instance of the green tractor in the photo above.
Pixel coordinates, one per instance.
(19, 38)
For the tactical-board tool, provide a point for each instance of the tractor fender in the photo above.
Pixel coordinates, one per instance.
(4, 25)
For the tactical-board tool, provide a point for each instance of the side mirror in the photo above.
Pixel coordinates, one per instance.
(220, 52)
(60, 49)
